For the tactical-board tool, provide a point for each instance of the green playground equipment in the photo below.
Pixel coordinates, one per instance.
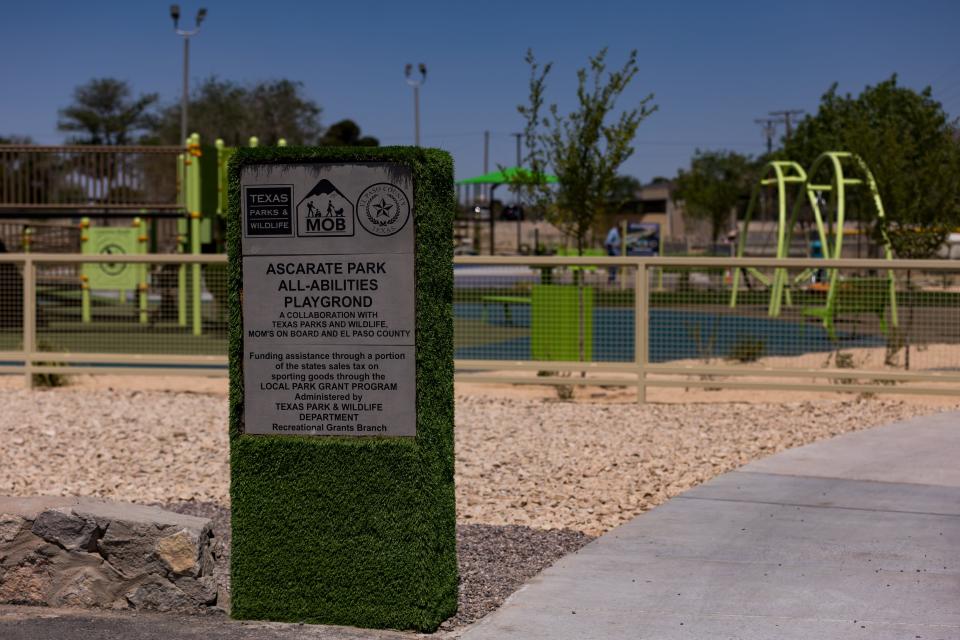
(120, 277)
(784, 174)
(189, 234)
(831, 173)
(194, 179)
(224, 153)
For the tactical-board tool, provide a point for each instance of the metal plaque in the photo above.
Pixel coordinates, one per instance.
(328, 299)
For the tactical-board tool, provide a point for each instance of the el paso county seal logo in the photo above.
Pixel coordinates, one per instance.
(383, 209)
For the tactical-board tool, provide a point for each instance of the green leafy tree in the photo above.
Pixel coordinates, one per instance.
(912, 149)
(104, 111)
(234, 112)
(584, 148)
(716, 183)
(217, 109)
(623, 190)
(282, 111)
(346, 133)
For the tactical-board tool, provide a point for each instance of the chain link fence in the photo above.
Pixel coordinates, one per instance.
(66, 313)
(849, 325)
(846, 325)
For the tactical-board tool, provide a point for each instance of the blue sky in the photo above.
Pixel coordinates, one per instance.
(713, 66)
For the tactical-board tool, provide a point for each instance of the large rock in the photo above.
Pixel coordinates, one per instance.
(66, 529)
(27, 583)
(93, 553)
(10, 526)
(159, 594)
(180, 552)
(130, 548)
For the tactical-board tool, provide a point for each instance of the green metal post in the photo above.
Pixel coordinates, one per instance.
(221, 175)
(142, 239)
(86, 315)
(254, 141)
(183, 161)
(887, 250)
(840, 204)
(785, 173)
(194, 209)
(181, 282)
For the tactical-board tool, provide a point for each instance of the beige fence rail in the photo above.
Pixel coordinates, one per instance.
(844, 325)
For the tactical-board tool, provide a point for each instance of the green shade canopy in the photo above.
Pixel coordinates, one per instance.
(506, 176)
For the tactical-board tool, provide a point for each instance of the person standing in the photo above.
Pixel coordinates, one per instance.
(612, 245)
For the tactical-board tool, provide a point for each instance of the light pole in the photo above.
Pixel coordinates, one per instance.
(175, 14)
(415, 82)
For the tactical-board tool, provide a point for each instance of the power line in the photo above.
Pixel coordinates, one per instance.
(944, 75)
(784, 116)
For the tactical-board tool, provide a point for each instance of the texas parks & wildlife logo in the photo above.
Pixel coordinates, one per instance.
(383, 209)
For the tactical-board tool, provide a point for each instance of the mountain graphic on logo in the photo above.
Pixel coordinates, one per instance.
(325, 211)
(324, 200)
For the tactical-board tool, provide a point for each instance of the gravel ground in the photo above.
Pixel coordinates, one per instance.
(541, 464)
(494, 560)
(590, 467)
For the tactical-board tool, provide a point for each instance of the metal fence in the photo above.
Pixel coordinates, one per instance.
(752, 323)
(37, 179)
(42, 237)
(170, 320)
(793, 324)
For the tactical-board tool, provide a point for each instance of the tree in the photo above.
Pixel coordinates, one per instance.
(225, 109)
(584, 148)
(623, 190)
(716, 183)
(911, 148)
(346, 133)
(278, 109)
(105, 112)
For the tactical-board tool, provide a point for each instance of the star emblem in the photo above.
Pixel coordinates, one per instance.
(383, 209)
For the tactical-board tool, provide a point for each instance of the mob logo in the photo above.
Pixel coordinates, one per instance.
(325, 211)
(268, 210)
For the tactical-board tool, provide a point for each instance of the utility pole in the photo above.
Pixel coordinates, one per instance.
(519, 137)
(415, 83)
(769, 130)
(486, 151)
(516, 191)
(516, 194)
(486, 160)
(784, 116)
(187, 34)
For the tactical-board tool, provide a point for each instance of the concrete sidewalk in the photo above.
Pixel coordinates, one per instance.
(853, 537)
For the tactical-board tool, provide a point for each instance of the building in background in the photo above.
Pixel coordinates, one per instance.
(654, 204)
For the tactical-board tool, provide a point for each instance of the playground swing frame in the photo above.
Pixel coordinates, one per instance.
(785, 174)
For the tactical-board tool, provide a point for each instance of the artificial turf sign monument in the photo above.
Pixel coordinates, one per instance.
(341, 363)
